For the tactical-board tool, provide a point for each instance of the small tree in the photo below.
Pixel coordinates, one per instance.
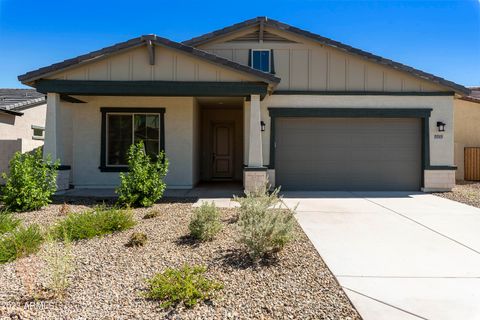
(31, 182)
(144, 183)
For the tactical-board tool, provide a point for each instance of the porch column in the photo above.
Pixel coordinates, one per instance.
(255, 155)
(255, 174)
(50, 144)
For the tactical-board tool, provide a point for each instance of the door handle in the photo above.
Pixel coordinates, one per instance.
(213, 157)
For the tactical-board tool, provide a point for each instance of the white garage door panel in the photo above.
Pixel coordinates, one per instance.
(348, 153)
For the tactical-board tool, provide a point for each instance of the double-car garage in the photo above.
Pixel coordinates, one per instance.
(347, 153)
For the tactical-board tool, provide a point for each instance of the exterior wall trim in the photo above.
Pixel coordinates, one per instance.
(441, 168)
(103, 142)
(423, 113)
(152, 88)
(363, 93)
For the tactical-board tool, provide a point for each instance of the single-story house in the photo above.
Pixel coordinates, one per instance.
(22, 123)
(467, 135)
(259, 99)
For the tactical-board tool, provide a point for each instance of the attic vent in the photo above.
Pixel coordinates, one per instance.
(267, 37)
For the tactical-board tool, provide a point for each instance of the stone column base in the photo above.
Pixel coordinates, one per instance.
(63, 178)
(438, 180)
(254, 178)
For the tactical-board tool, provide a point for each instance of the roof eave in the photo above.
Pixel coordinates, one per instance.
(11, 112)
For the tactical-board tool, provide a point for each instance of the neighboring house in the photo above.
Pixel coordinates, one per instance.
(467, 131)
(254, 100)
(22, 122)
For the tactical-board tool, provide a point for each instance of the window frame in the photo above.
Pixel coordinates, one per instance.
(37, 137)
(105, 111)
(269, 59)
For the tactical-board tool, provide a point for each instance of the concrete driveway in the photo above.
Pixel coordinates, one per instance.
(397, 255)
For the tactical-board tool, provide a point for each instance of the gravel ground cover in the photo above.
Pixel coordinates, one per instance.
(465, 192)
(108, 280)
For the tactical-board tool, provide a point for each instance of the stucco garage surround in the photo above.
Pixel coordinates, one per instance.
(439, 174)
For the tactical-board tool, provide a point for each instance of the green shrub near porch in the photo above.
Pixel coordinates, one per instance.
(30, 183)
(144, 183)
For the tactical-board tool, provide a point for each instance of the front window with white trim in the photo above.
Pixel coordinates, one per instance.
(123, 129)
(261, 60)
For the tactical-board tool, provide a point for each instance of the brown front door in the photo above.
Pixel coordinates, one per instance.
(222, 151)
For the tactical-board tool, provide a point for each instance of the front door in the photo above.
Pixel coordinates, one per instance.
(222, 151)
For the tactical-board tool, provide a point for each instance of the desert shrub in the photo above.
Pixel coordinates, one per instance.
(8, 222)
(20, 243)
(26, 270)
(144, 183)
(92, 223)
(137, 239)
(264, 229)
(30, 183)
(58, 260)
(186, 285)
(64, 209)
(151, 214)
(205, 223)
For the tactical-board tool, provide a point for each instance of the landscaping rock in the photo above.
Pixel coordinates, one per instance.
(108, 281)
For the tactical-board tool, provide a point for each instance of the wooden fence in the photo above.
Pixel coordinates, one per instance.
(472, 164)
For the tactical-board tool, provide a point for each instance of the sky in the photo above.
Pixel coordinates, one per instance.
(441, 37)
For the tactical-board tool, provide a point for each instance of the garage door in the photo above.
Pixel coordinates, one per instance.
(348, 153)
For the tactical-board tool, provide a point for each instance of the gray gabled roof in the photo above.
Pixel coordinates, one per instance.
(329, 42)
(12, 101)
(140, 41)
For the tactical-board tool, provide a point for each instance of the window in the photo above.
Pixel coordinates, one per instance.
(261, 60)
(38, 132)
(123, 126)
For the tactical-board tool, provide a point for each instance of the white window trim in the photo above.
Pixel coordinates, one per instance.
(132, 114)
(269, 59)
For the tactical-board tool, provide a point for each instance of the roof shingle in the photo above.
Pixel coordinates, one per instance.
(14, 100)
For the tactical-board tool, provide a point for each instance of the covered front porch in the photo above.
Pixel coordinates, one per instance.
(214, 136)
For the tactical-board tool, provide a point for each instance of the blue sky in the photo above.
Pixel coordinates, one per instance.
(441, 37)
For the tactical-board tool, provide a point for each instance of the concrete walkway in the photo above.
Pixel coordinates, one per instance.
(397, 255)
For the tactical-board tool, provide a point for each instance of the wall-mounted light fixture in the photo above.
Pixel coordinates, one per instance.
(262, 125)
(441, 126)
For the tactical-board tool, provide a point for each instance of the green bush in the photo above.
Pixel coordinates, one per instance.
(264, 228)
(186, 285)
(144, 183)
(92, 223)
(30, 183)
(20, 242)
(7, 222)
(205, 223)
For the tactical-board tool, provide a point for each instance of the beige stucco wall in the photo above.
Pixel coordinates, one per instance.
(467, 131)
(20, 127)
(441, 150)
(85, 133)
(306, 65)
(196, 122)
(16, 133)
